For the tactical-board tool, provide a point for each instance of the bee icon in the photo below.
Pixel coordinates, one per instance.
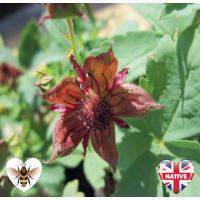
(23, 175)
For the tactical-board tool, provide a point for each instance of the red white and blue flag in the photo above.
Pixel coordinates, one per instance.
(176, 177)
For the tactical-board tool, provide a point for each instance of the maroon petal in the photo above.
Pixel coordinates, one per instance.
(120, 78)
(121, 123)
(130, 100)
(62, 108)
(103, 143)
(68, 133)
(102, 70)
(80, 72)
(85, 141)
(67, 92)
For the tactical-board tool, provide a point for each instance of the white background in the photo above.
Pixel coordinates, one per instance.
(14, 162)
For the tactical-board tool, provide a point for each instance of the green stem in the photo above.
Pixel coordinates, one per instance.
(78, 28)
(72, 39)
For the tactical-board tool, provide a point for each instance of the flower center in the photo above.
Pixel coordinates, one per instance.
(97, 113)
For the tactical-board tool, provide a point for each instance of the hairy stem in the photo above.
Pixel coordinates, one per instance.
(72, 39)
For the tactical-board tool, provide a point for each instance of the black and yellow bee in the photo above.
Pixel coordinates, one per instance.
(23, 175)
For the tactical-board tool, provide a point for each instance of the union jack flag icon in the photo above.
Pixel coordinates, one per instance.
(176, 177)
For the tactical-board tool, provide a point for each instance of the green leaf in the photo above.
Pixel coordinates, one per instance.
(8, 100)
(173, 82)
(180, 9)
(51, 179)
(72, 160)
(187, 115)
(71, 190)
(132, 141)
(131, 50)
(26, 88)
(55, 53)
(163, 85)
(152, 12)
(52, 174)
(142, 175)
(94, 171)
(55, 27)
(141, 178)
(184, 12)
(29, 44)
(67, 38)
(128, 26)
(7, 56)
(67, 55)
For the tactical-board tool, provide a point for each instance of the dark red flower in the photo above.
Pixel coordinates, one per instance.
(63, 10)
(92, 103)
(9, 74)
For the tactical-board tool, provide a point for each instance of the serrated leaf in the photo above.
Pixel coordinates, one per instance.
(151, 12)
(71, 190)
(173, 82)
(163, 85)
(55, 27)
(142, 175)
(141, 179)
(128, 26)
(132, 141)
(186, 118)
(67, 38)
(94, 171)
(67, 55)
(180, 9)
(131, 50)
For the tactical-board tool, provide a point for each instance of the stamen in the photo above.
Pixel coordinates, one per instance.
(70, 103)
(106, 81)
(112, 106)
(120, 113)
(81, 86)
(111, 89)
(95, 82)
(73, 97)
(112, 95)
